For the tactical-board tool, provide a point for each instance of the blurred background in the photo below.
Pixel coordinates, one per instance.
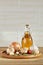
(15, 14)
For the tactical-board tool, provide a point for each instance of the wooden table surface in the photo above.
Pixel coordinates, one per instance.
(36, 61)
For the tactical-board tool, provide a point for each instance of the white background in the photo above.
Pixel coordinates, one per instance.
(14, 14)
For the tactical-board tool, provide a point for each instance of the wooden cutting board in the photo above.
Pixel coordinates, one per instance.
(26, 56)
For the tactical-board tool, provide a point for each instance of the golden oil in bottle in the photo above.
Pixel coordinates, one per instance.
(27, 39)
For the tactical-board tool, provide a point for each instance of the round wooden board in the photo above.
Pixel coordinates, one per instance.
(21, 56)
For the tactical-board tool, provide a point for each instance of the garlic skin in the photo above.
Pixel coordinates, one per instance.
(15, 45)
(35, 49)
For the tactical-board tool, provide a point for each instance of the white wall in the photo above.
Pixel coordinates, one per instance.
(14, 14)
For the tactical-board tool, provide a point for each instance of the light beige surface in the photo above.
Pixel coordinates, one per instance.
(36, 61)
(21, 62)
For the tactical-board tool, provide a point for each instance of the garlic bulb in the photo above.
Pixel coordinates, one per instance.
(9, 50)
(15, 45)
(35, 49)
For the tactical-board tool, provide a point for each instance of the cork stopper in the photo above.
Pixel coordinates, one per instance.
(27, 25)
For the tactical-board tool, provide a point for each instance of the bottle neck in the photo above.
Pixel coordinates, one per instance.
(26, 33)
(27, 30)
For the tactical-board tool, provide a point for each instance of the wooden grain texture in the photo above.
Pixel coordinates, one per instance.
(4, 61)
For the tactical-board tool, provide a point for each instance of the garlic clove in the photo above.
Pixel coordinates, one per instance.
(11, 53)
(8, 51)
(25, 50)
(36, 51)
(17, 53)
